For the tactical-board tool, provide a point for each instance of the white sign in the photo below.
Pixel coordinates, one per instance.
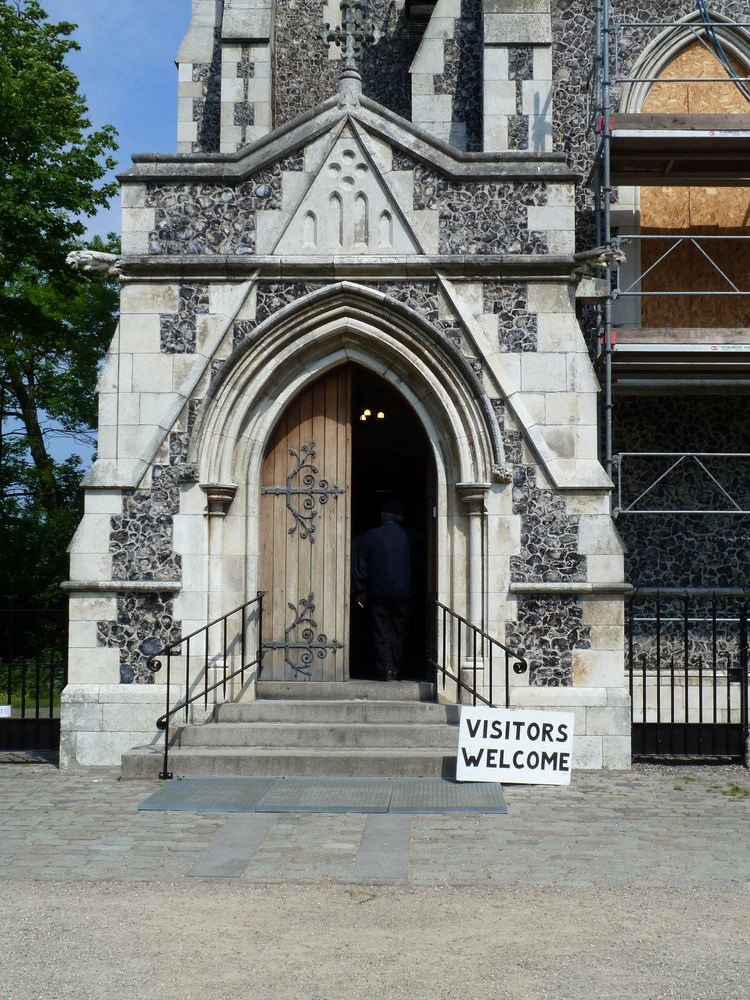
(5, 711)
(515, 746)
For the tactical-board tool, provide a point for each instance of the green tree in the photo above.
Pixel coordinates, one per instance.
(55, 324)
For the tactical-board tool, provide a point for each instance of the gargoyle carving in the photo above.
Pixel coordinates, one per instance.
(588, 262)
(590, 288)
(95, 260)
(502, 473)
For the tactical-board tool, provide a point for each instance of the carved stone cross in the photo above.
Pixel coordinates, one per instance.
(355, 32)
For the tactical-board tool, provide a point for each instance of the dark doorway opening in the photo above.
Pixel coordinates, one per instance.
(392, 457)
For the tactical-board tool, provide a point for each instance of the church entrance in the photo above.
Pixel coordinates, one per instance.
(391, 458)
(346, 444)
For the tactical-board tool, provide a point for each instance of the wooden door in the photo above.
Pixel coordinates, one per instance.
(700, 211)
(305, 535)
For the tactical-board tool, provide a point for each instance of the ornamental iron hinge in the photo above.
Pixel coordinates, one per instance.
(310, 490)
(299, 654)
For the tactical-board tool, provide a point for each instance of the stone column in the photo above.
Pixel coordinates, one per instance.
(219, 497)
(246, 93)
(472, 669)
(196, 67)
(474, 496)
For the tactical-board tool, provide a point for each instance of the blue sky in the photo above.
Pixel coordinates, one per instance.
(128, 76)
(127, 73)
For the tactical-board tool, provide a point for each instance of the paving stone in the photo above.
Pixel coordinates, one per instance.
(657, 826)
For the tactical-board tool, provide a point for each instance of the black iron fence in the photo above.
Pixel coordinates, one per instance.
(33, 673)
(687, 666)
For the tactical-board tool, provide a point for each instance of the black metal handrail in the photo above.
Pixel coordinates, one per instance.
(175, 649)
(476, 641)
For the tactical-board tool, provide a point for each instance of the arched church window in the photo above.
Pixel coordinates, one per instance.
(707, 214)
(386, 229)
(336, 218)
(361, 221)
(310, 230)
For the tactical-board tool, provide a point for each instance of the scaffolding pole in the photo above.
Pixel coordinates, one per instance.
(603, 202)
(606, 43)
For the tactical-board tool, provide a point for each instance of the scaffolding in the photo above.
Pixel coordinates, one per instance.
(652, 149)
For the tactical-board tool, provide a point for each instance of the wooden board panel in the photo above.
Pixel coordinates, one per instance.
(702, 211)
(665, 210)
(305, 536)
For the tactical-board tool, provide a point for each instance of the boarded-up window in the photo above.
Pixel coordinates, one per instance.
(698, 211)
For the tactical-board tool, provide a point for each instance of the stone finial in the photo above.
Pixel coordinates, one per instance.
(355, 33)
(95, 260)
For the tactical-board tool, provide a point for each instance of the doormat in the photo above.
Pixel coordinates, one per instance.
(326, 795)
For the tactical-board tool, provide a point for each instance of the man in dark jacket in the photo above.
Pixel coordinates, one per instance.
(382, 581)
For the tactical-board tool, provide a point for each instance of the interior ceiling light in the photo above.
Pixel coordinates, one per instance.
(362, 417)
(381, 415)
(367, 413)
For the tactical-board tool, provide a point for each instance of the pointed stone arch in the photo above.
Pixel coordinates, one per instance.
(333, 326)
(678, 54)
(670, 43)
(344, 322)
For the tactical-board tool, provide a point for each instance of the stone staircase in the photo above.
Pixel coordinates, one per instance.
(352, 729)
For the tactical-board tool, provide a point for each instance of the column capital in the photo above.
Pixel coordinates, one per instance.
(473, 495)
(219, 496)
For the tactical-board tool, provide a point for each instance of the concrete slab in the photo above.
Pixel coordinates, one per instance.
(384, 852)
(232, 849)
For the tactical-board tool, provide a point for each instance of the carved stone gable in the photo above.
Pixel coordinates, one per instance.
(348, 209)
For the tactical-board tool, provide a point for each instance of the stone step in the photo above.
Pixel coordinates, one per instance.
(146, 762)
(314, 729)
(346, 690)
(317, 735)
(338, 712)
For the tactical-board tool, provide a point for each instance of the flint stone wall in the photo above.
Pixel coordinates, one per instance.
(572, 59)
(305, 75)
(207, 107)
(211, 218)
(685, 550)
(482, 217)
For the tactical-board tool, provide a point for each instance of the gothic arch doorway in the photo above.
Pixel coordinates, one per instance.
(346, 443)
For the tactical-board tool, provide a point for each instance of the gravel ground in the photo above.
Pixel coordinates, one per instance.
(314, 943)
(628, 885)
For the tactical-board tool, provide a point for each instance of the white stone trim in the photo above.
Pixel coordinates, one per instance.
(582, 588)
(121, 586)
